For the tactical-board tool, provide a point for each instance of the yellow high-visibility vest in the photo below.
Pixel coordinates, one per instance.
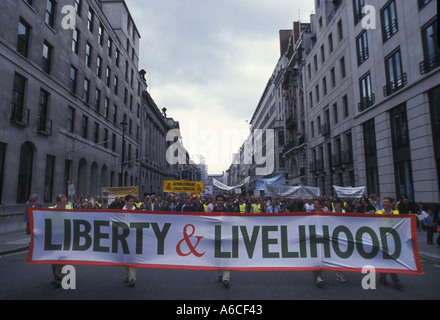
(256, 208)
(68, 206)
(383, 212)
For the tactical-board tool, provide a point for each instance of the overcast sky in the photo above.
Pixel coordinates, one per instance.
(208, 62)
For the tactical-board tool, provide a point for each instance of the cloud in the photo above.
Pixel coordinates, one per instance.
(209, 61)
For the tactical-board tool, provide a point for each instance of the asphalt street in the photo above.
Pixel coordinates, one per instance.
(29, 282)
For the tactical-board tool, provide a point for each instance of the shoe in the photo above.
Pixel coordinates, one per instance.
(226, 283)
(399, 286)
(220, 278)
(126, 280)
(383, 281)
(340, 277)
(132, 283)
(319, 282)
(57, 283)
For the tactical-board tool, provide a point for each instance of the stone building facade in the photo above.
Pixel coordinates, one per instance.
(74, 104)
(361, 98)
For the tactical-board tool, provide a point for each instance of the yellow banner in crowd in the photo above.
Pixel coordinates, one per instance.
(119, 192)
(183, 186)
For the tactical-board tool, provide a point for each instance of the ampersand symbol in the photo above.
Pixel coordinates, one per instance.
(188, 243)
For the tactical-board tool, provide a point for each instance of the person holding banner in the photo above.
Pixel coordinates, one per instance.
(318, 206)
(223, 276)
(57, 268)
(130, 271)
(388, 209)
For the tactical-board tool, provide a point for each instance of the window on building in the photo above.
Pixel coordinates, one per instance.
(73, 79)
(86, 90)
(43, 124)
(357, 10)
(97, 100)
(362, 47)
(96, 132)
(99, 66)
(88, 54)
(106, 138)
(399, 126)
(335, 113)
(70, 119)
(106, 107)
(404, 179)
(84, 127)
(396, 78)
(75, 41)
(330, 42)
(48, 179)
(117, 57)
(50, 13)
(109, 47)
(431, 50)
(78, 6)
(366, 92)
(101, 34)
(345, 106)
(115, 85)
(423, 3)
(19, 113)
(390, 24)
(108, 73)
(24, 31)
(340, 30)
(370, 151)
(25, 172)
(47, 57)
(115, 114)
(333, 77)
(113, 142)
(90, 20)
(342, 66)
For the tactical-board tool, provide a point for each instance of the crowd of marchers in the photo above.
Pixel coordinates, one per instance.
(428, 217)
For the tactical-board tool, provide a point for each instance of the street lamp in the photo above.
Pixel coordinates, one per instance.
(124, 128)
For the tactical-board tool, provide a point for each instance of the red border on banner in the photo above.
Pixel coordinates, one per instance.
(216, 214)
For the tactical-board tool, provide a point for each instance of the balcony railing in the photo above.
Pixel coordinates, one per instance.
(291, 122)
(347, 156)
(395, 85)
(289, 147)
(429, 64)
(44, 126)
(19, 115)
(367, 102)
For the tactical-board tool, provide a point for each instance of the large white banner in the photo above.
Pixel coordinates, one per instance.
(346, 242)
(350, 192)
(222, 186)
(292, 192)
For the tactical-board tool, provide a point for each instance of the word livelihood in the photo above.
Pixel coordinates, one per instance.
(224, 241)
(340, 242)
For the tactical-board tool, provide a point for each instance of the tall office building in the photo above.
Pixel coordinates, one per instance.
(74, 103)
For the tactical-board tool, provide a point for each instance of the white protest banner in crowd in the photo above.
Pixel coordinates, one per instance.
(245, 242)
(350, 192)
(222, 186)
(291, 192)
